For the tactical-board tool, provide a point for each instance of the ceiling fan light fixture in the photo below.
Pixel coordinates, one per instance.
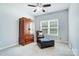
(35, 10)
(43, 10)
(40, 6)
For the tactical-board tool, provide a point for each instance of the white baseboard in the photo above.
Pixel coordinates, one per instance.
(10, 45)
(75, 52)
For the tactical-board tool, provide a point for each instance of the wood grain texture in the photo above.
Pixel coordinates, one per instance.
(25, 37)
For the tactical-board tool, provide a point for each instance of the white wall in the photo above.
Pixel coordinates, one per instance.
(9, 18)
(62, 17)
(74, 27)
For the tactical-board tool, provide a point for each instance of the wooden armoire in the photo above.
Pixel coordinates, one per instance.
(25, 36)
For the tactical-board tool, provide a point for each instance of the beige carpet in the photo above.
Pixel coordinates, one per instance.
(60, 49)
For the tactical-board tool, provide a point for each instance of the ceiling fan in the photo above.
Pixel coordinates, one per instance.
(40, 6)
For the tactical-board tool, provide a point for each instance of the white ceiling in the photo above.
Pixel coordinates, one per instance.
(54, 7)
(22, 7)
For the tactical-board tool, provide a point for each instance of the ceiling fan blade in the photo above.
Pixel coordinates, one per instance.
(47, 5)
(32, 5)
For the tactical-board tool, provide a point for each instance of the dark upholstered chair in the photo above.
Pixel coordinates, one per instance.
(43, 41)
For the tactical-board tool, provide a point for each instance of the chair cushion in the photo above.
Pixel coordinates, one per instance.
(45, 39)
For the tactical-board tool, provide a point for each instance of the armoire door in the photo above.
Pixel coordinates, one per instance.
(24, 33)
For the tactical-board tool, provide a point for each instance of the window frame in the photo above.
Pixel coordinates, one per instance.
(50, 27)
(41, 25)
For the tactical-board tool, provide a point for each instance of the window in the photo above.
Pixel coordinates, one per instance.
(49, 27)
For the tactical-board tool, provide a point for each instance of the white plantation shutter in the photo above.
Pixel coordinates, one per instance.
(49, 27)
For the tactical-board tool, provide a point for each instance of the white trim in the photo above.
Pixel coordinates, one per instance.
(41, 23)
(75, 52)
(49, 26)
(9, 46)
